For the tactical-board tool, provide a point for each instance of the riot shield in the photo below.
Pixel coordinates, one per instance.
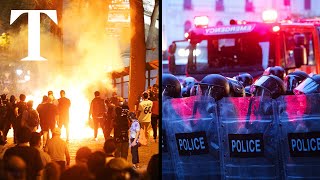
(249, 138)
(299, 122)
(191, 129)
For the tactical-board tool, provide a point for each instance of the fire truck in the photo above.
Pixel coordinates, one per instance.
(250, 47)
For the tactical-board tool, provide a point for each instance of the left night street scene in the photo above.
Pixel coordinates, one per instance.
(79, 89)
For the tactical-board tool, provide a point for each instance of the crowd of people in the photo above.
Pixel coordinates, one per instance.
(28, 161)
(35, 154)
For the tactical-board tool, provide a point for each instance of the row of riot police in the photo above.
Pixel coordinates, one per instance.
(227, 125)
(272, 83)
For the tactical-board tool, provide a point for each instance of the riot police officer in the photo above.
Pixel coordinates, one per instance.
(271, 86)
(309, 86)
(215, 85)
(276, 70)
(246, 80)
(187, 85)
(236, 88)
(171, 87)
(293, 79)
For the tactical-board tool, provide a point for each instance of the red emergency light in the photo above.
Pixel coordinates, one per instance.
(201, 21)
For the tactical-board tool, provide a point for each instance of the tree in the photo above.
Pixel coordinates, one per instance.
(137, 79)
(152, 28)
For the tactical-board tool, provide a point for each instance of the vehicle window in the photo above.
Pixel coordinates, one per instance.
(290, 44)
(242, 51)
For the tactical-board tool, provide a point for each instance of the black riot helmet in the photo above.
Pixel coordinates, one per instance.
(171, 86)
(187, 84)
(309, 86)
(236, 88)
(214, 85)
(245, 79)
(276, 70)
(271, 86)
(293, 79)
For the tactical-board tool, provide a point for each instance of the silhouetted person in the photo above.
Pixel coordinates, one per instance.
(15, 168)
(43, 121)
(35, 141)
(30, 117)
(97, 111)
(48, 113)
(63, 107)
(30, 155)
(109, 148)
(121, 128)
(20, 108)
(11, 115)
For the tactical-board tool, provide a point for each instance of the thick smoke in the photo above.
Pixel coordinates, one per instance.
(79, 61)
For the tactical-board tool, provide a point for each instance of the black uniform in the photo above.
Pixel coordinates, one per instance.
(121, 127)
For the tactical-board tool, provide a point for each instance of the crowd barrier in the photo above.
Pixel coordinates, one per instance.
(241, 138)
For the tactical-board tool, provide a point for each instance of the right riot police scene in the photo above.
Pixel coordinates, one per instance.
(240, 89)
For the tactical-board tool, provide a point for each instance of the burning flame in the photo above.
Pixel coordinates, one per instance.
(88, 53)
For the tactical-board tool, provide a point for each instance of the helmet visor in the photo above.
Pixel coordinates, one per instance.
(210, 90)
(168, 90)
(263, 92)
(291, 82)
(308, 86)
(264, 81)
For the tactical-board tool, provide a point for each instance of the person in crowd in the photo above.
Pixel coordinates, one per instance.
(30, 155)
(63, 107)
(134, 139)
(11, 115)
(121, 129)
(51, 171)
(153, 168)
(77, 173)
(15, 168)
(4, 120)
(30, 117)
(118, 168)
(48, 113)
(42, 115)
(109, 148)
(97, 111)
(82, 156)
(20, 108)
(144, 113)
(110, 118)
(4, 145)
(52, 98)
(155, 114)
(35, 141)
(96, 162)
(114, 98)
(58, 149)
